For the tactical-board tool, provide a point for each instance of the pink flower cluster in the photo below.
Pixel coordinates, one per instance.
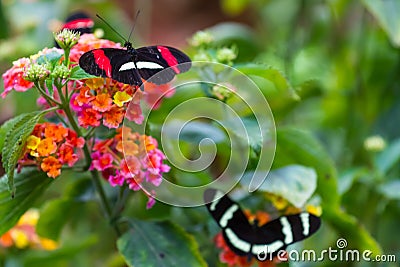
(14, 77)
(130, 158)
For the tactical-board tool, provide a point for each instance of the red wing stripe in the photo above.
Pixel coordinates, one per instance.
(167, 55)
(79, 24)
(102, 61)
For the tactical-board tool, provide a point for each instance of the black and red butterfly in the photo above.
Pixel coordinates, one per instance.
(130, 65)
(79, 22)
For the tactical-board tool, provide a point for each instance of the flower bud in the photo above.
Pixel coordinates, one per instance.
(66, 38)
(226, 55)
(61, 71)
(201, 38)
(222, 92)
(36, 72)
(202, 56)
(374, 143)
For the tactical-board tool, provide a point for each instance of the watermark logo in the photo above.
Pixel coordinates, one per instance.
(340, 253)
(220, 115)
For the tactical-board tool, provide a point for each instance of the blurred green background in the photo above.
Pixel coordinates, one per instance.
(341, 60)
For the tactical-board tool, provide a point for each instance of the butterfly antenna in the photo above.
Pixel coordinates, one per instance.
(111, 27)
(134, 24)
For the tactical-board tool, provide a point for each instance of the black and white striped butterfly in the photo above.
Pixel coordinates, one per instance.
(262, 242)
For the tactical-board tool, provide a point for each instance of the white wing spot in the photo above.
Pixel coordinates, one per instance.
(227, 215)
(148, 65)
(127, 66)
(236, 241)
(268, 248)
(305, 219)
(287, 230)
(216, 199)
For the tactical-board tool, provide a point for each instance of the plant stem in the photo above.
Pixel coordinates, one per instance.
(95, 175)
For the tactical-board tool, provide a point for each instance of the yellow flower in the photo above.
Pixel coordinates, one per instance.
(30, 217)
(279, 202)
(20, 238)
(315, 210)
(94, 83)
(48, 244)
(32, 142)
(121, 97)
(23, 234)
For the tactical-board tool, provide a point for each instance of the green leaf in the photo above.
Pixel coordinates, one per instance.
(299, 147)
(49, 85)
(56, 213)
(391, 189)
(232, 34)
(387, 14)
(352, 230)
(80, 190)
(53, 216)
(194, 131)
(159, 244)
(347, 178)
(77, 73)
(275, 76)
(295, 183)
(5, 129)
(58, 257)
(255, 137)
(14, 143)
(30, 185)
(388, 157)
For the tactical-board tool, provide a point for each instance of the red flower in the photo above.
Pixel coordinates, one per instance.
(89, 117)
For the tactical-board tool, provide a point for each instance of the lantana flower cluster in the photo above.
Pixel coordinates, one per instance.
(129, 158)
(23, 235)
(15, 77)
(50, 146)
(108, 101)
(82, 105)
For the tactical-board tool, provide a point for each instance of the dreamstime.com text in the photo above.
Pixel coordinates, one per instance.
(331, 254)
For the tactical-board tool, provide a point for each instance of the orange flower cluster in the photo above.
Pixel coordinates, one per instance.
(130, 158)
(107, 100)
(23, 234)
(230, 257)
(51, 146)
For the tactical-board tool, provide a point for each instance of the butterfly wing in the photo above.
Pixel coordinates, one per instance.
(112, 63)
(251, 240)
(236, 229)
(160, 64)
(279, 233)
(79, 22)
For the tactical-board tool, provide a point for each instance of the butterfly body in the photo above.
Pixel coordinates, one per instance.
(250, 239)
(128, 65)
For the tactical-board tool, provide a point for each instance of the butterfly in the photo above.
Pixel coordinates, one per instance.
(249, 239)
(79, 22)
(131, 65)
